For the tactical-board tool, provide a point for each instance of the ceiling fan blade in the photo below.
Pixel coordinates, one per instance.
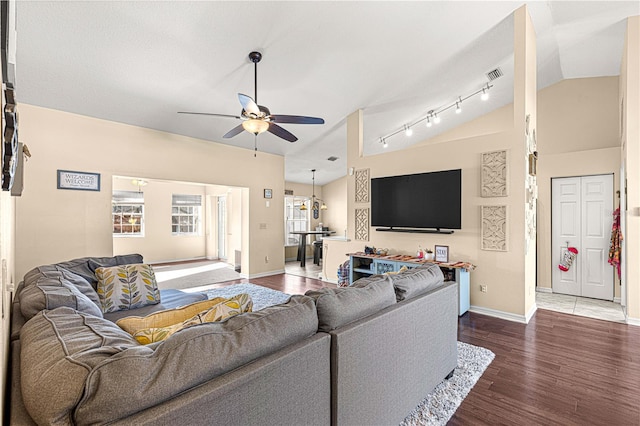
(210, 113)
(281, 133)
(248, 104)
(296, 119)
(234, 132)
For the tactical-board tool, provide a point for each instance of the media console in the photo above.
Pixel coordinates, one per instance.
(364, 265)
(418, 230)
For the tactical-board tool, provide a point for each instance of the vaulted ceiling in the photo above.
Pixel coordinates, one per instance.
(140, 62)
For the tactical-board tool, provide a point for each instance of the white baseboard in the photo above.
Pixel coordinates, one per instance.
(544, 289)
(503, 315)
(633, 321)
(263, 274)
(617, 300)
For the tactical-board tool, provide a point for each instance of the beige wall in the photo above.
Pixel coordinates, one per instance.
(7, 267)
(572, 146)
(55, 225)
(158, 243)
(335, 195)
(630, 136)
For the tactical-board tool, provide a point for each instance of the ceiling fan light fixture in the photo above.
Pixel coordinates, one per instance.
(255, 126)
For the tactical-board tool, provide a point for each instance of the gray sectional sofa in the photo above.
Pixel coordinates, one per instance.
(366, 354)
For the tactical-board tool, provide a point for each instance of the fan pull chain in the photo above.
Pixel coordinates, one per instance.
(255, 146)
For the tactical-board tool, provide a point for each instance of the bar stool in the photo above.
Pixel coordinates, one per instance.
(317, 251)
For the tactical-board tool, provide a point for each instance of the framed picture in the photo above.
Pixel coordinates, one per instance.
(79, 181)
(442, 253)
(267, 193)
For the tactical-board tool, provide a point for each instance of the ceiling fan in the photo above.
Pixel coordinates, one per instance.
(256, 118)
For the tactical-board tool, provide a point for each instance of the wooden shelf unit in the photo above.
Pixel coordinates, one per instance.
(364, 265)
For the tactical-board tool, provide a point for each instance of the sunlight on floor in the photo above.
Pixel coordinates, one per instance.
(185, 271)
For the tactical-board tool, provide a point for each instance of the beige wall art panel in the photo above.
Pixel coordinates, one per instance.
(362, 186)
(362, 224)
(494, 174)
(494, 228)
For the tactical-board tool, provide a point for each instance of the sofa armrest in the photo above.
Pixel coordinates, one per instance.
(399, 354)
(288, 387)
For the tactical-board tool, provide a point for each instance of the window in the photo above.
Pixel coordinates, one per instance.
(127, 213)
(295, 219)
(185, 214)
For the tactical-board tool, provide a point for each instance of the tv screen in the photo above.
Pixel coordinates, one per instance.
(424, 200)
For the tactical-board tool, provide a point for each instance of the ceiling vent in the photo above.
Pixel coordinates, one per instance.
(495, 74)
(332, 158)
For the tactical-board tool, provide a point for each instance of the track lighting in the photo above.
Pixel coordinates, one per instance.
(433, 116)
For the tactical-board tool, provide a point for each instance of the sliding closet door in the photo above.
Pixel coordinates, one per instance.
(582, 210)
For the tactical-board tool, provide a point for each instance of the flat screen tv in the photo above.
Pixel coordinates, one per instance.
(419, 201)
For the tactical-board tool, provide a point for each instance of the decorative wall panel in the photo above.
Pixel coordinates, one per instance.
(494, 228)
(362, 186)
(494, 174)
(362, 224)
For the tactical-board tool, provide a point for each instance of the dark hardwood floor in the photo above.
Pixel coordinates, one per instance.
(559, 369)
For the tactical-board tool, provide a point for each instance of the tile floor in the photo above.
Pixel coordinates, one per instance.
(310, 270)
(583, 306)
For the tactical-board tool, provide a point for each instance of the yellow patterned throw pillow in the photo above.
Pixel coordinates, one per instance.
(126, 287)
(167, 317)
(227, 308)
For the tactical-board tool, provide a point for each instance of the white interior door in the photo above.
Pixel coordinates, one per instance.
(582, 218)
(565, 226)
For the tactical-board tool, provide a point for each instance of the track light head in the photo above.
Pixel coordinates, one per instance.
(384, 143)
(436, 119)
(429, 123)
(408, 130)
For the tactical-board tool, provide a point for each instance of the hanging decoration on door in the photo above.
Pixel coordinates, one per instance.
(568, 258)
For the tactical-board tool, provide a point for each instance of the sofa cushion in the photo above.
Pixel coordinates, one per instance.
(54, 292)
(190, 358)
(59, 349)
(167, 317)
(342, 305)
(416, 281)
(127, 287)
(84, 266)
(169, 299)
(225, 308)
(51, 271)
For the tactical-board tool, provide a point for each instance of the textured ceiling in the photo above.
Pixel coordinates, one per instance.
(141, 62)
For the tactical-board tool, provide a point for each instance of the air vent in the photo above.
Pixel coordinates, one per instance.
(495, 74)
(332, 158)
(288, 192)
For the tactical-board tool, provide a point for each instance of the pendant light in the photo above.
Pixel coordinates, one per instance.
(314, 200)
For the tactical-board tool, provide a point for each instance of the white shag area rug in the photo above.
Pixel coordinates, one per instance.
(261, 296)
(437, 407)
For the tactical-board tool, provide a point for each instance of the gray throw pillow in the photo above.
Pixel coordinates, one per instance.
(55, 292)
(343, 305)
(416, 281)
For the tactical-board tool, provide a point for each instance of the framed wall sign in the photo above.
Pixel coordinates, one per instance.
(441, 253)
(268, 193)
(79, 181)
